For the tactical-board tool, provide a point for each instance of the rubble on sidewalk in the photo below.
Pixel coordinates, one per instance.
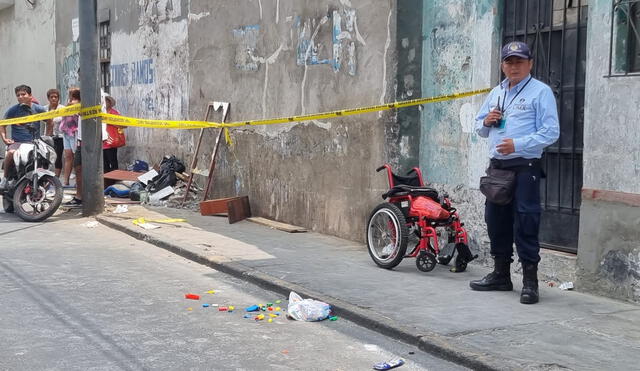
(163, 185)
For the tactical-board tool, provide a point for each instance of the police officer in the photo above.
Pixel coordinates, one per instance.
(520, 118)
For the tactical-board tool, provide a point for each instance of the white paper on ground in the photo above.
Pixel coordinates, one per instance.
(164, 192)
(121, 209)
(148, 225)
(146, 177)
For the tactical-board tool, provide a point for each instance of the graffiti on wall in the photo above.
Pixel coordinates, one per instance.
(136, 76)
(247, 39)
(133, 73)
(339, 52)
(159, 10)
(70, 70)
(343, 42)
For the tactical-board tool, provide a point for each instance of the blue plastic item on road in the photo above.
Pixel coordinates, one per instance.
(253, 308)
(117, 190)
(389, 364)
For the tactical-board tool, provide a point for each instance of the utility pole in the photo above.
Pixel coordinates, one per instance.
(92, 182)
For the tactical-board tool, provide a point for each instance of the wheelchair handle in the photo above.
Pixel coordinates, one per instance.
(380, 168)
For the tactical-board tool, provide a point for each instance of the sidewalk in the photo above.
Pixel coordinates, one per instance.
(435, 311)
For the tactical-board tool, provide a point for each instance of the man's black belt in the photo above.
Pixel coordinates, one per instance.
(516, 164)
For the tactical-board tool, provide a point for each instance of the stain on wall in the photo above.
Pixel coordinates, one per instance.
(609, 249)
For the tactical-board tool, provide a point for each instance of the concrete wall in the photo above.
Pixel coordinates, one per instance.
(149, 69)
(609, 244)
(67, 48)
(272, 58)
(460, 53)
(27, 37)
(267, 58)
(150, 74)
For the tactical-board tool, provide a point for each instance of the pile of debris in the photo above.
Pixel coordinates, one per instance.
(164, 185)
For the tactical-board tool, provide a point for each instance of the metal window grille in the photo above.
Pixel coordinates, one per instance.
(105, 55)
(556, 31)
(624, 42)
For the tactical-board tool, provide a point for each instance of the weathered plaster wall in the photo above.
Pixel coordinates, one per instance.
(149, 69)
(609, 247)
(27, 53)
(405, 137)
(611, 151)
(150, 74)
(67, 48)
(283, 57)
(460, 53)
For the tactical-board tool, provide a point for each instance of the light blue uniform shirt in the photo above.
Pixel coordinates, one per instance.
(531, 118)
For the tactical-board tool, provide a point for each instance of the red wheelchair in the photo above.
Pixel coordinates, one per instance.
(412, 208)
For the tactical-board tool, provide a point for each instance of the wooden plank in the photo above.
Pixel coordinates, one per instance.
(115, 176)
(211, 207)
(122, 175)
(120, 201)
(277, 225)
(238, 209)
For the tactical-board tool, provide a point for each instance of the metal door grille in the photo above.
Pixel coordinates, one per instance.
(556, 32)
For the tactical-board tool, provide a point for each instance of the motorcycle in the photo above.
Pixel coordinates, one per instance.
(32, 191)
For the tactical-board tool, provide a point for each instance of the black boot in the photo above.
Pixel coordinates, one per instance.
(529, 294)
(498, 280)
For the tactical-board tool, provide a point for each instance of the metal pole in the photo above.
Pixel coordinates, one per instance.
(92, 182)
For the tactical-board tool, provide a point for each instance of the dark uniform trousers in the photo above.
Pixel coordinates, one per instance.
(518, 221)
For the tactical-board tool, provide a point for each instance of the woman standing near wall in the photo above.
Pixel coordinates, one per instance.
(69, 128)
(115, 138)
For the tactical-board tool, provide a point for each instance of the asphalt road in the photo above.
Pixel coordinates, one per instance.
(74, 297)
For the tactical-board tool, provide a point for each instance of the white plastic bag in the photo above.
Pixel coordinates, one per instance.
(307, 309)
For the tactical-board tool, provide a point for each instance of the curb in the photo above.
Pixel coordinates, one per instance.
(429, 342)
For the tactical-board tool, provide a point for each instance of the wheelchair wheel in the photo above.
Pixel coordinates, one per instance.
(387, 235)
(426, 261)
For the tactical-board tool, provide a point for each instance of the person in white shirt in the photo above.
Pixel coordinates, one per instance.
(53, 96)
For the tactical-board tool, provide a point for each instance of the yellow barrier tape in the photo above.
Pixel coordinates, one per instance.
(66, 111)
(357, 111)
(165, 221)
(162, 124)
(91, 112)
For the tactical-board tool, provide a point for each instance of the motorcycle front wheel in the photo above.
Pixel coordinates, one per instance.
(37, 205)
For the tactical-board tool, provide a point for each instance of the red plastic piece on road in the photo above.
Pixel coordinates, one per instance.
(192, 296)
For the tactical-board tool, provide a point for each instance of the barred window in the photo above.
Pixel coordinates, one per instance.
(105, 55)
(624, 47)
